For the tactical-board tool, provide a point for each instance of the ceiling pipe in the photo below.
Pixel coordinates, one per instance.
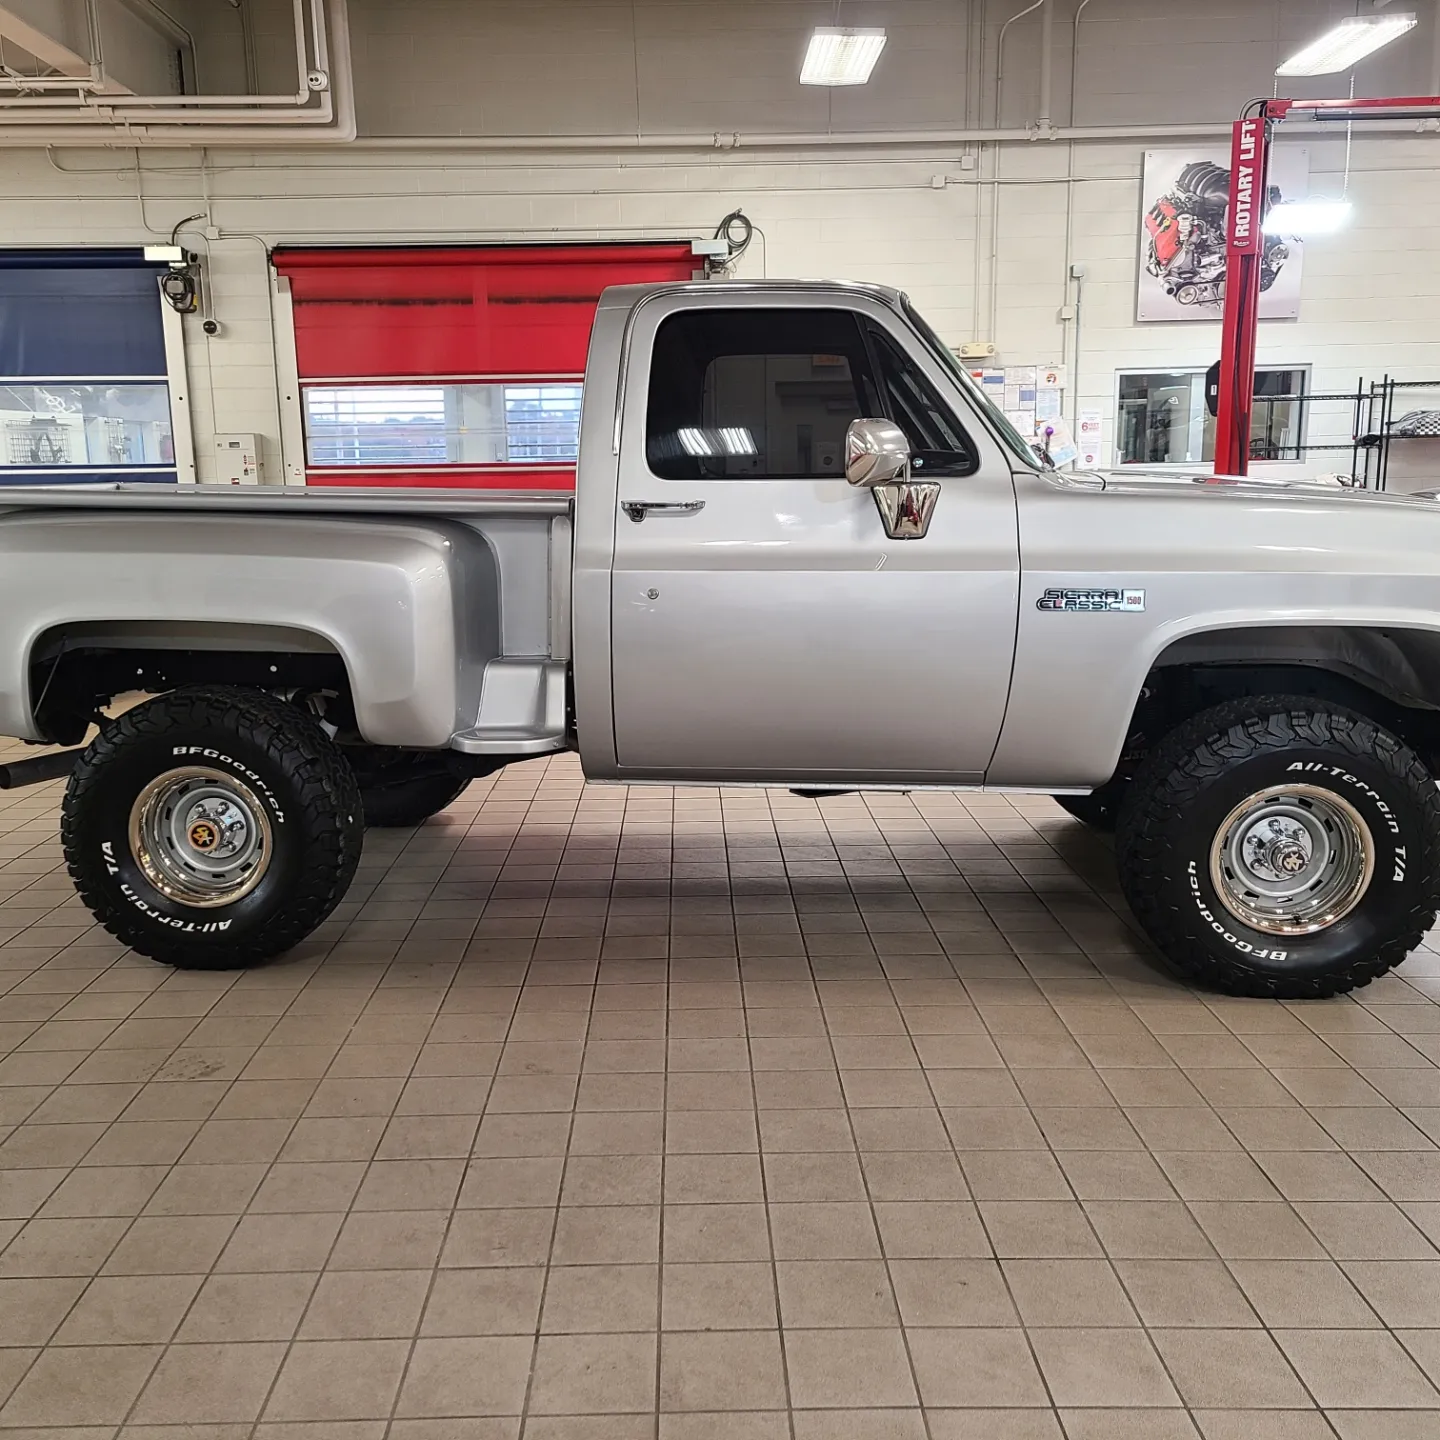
(160, 107)
(782, 140)
(25, 83)
(97, 51)
(330, 122)
(175, 136)
(1047, 64)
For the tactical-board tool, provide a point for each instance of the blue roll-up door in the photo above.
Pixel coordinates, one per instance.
(84, 394)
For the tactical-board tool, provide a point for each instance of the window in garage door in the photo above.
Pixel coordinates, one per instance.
(84, 391)
(453, 366)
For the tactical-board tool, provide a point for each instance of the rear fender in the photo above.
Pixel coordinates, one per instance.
(412, 609)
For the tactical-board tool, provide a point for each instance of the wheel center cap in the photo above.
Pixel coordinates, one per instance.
(204, 836)
(1288, 858)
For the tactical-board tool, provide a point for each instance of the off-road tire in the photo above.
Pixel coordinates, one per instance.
(1181, 796)
(303, 784)
(410, 802)
(1100, 809)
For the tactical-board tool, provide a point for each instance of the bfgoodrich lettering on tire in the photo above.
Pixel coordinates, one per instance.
(212, 828)
(1282, 847)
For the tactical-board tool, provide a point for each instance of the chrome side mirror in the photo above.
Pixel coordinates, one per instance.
(876, 452)
(877, 456)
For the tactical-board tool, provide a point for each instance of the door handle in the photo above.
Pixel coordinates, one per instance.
(637, 510)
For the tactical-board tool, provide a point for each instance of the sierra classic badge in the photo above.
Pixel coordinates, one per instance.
(1091, 602)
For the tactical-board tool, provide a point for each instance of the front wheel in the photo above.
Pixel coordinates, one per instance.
(1273, 847)
(212, 828)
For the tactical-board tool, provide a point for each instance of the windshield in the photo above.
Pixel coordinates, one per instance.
(1009, 435)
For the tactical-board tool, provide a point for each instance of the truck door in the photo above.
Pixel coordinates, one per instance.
(763, 624)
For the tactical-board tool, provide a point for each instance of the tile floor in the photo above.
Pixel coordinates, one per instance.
(708, 1116)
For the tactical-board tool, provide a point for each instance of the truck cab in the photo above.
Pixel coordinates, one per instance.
(741, 612)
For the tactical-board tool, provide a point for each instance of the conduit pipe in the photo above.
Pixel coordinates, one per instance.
(128, 135)
(1000, 54)
(1075, 55)
(780, 141)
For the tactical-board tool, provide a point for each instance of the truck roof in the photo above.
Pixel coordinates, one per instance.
(625, 296)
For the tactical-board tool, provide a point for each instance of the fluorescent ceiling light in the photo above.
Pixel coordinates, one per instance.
(693, 441)
(1347, 44)
(1307, 217)
(841, 57)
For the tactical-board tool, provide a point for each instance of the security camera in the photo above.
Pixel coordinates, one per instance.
(178, 287)
(211, 327)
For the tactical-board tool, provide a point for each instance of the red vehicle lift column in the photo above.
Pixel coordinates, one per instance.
(1245, 247)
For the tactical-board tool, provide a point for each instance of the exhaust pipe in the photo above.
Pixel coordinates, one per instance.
(40, 769)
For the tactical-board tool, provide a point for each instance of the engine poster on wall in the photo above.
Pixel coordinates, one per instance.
(1182, 235)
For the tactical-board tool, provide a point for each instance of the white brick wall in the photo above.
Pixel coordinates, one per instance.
(1371, 300)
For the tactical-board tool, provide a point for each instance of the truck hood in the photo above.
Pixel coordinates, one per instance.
(1204, 484)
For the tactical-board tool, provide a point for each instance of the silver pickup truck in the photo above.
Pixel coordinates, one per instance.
(804, 550)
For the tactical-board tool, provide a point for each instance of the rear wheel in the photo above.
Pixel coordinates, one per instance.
(1278, 848)
(212, 828)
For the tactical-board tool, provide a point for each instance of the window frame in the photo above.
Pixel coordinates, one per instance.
(74, 469)
(1193, 373)
(867, 386)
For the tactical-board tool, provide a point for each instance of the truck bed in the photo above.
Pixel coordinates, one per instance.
(450, 610)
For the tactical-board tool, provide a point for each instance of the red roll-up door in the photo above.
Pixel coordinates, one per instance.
(455, 366)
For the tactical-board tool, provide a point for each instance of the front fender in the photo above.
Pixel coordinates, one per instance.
(1078, 677)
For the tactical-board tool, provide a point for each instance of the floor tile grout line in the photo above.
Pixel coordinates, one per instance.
(885, 1258)
(660, 1328)
(436, 1267)
(549, 1265)
(769, 1226)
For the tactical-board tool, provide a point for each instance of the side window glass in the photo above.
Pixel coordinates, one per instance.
(755, 394)
(939, 445)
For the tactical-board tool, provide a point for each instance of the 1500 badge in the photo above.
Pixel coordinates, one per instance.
(1092, 601)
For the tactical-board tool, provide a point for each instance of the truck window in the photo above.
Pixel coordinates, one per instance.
(756, 394)
(938, 444)
(1020, 448)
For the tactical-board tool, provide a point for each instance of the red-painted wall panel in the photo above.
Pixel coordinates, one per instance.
(514, 310)
(458, 313)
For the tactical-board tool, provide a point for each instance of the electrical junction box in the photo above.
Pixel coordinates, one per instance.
(237, 460)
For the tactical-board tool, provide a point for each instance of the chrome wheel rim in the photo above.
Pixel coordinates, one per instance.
(1294, 860)
(200, 836)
